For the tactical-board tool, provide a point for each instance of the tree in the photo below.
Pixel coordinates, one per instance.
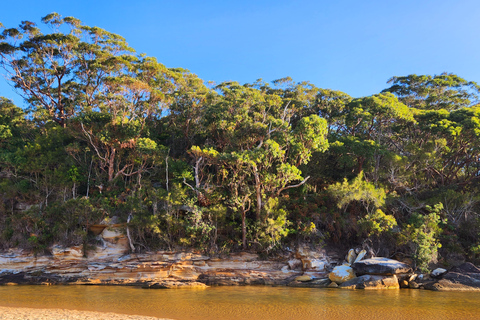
(60, 72)
(259, 150)
(445, 91)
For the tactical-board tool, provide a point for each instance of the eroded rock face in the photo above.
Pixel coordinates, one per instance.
(68, 265)
(311, 260)
(380, 266)
(372, 282)
(341, 274)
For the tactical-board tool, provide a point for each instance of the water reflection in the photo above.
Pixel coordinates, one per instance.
(263, 303)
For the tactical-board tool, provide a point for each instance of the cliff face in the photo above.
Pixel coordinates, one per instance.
(111, 263)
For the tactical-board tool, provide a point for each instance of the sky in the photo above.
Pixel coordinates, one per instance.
(351, 46)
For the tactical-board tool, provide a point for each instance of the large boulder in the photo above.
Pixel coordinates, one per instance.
(341, 274)
(380, 266)
(372, 282)
(453, 281)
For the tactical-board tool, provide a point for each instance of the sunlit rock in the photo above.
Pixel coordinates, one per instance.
(381, 266)
(438, 272)
(67, 253)
(342, 273)
(314, 264)
(360, 256)
(304, 278)
(351, 256)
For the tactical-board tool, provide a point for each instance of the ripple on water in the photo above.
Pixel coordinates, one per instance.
(256, 302)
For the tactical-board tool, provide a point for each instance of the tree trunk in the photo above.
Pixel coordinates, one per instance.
(244, 230)
(258, 191)
(111, 165)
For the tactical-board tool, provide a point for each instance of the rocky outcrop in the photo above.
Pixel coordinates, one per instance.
(110, 263)
(380, 266)
(371, 282)
(69, 266)
(465, 277)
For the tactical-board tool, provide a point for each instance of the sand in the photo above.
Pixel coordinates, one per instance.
(7, 313)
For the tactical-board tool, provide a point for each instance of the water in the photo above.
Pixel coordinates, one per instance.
(265, 303)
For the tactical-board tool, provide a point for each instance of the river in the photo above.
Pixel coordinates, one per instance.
(255, 302)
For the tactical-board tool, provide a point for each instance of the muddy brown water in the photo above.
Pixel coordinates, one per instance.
(255, 302)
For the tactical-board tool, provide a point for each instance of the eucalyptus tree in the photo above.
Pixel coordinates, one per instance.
(92, 79)
(445, 91)
(257, 150)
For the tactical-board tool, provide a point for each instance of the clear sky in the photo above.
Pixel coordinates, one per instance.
(350, 45)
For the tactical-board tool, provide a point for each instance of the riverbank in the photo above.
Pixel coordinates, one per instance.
(9, 313)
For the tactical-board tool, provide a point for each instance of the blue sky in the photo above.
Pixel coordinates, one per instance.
(352, 46)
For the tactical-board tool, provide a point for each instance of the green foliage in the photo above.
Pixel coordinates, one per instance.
(274, 229)
(358, 190)
(422, 235)
(109, 132)
(377, 222)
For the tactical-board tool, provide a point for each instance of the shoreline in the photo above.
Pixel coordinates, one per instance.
(23, 313)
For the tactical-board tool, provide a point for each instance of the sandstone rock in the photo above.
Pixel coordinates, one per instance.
(403, 284)
(304, 252)
(380, 266)
(314, 264)
(340, 274)
(304, 278)
(70, 253)
(371, 282)
(333, 285)
(413, 285)
(360, 256)
(316, 283)
(295, 264)
(175, 285)
(453, 281)
(351, 256)
(438, 272)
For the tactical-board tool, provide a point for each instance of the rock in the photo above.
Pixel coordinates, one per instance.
(351, 256)
(305, 252)
(380, 266)
(295, 264)
(413, 285)
(317, 283)
(403, 284)
(453, 281)
(466, 267)
(175, 285)
(360, 256)
(314, 264)
(70, 253)
(333, 285)
(304, 278)
(340, 274)
(373, 282)
(438, 272)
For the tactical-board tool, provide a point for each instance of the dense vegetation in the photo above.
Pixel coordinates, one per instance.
(228, 167)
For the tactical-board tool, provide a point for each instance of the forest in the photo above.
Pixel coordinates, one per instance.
(188, 164)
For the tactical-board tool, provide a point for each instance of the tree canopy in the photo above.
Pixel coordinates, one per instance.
(257, 166)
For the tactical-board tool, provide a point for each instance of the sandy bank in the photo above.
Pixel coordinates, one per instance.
(7, 313)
